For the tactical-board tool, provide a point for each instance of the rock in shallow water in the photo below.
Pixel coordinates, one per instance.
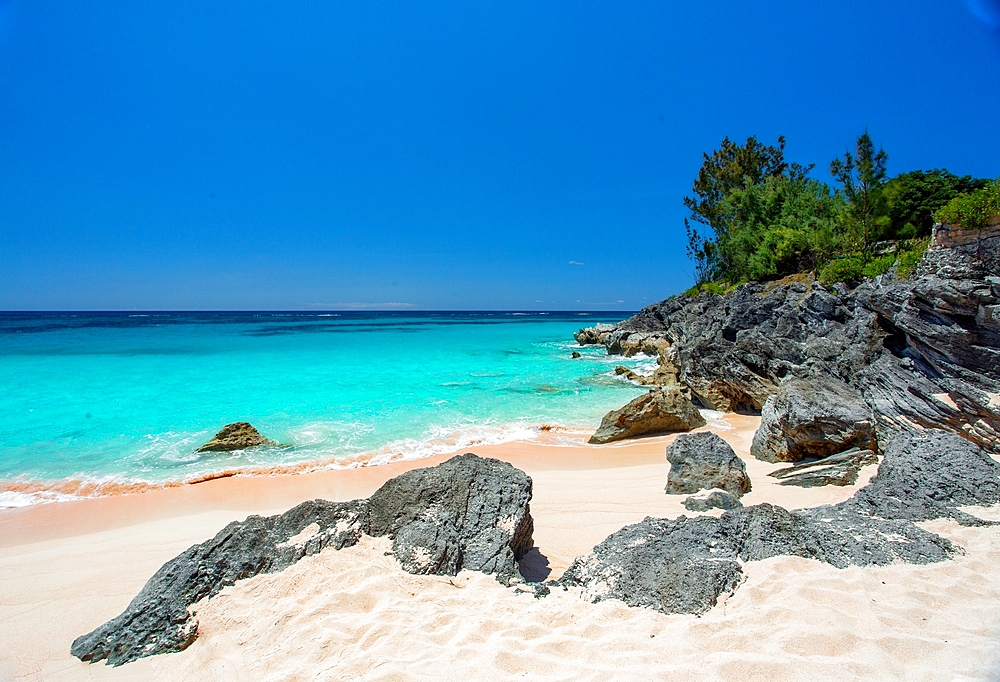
(237, 436)
(659, 411)
(700, 461)
(467, 513)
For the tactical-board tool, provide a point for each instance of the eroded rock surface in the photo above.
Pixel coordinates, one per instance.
(685, 565)
(812, 418)
(467, 513)
(701, 461)
(840, 469)
(659, 411)
(923, 352)
(711, 499)
(237, 436)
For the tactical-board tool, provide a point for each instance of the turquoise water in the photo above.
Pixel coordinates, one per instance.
(129, 397)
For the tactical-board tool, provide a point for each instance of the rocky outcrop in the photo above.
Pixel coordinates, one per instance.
(685, 565)
(812, 418)
(840, 469)
(589, 336)
(237, 436)
(659, 411)
(927, 475)
(467, 513)
(663, 375)
(921, 353)
(711, 499)
(701, 461)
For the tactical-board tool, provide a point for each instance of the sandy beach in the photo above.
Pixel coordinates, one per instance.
(65, 568)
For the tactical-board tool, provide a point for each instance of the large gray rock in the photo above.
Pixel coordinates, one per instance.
(927, 475)
(471, 514)
(467, 513)
(237, 436)
(812, 418)
(684, 565)
(659, 411)
(701, 461)
(840, 469)
(595, 335)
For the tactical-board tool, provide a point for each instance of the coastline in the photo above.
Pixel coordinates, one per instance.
(69, 566)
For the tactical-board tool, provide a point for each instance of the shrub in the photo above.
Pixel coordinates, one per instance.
(908, 258)
(848, 269)
(879, 266)
(974, 209)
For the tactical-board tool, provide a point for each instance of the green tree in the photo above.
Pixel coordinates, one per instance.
(780, 226)
(731, 167)
(913, 198)
(862, 180)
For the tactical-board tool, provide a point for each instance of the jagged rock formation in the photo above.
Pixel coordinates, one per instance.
(840, 469)
(684, 565)
(660, 410)
(922, 352)
(467, 513)
(814, 417)
(593, 335)
(711, 499)
(237, 436)
(927, 475)
(702, 461)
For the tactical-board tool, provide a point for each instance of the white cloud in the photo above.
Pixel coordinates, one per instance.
(574, 262)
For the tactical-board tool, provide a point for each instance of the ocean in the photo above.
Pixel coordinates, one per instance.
(94, 402)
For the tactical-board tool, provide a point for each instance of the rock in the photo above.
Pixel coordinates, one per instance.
(664, 375)
(629, 343)
(712, 499)
(238, 436)
(928, 474)
(157, 620)
(921, 353)
(575, 355)
(700, 461)
(467, 513)
(658, 411)
(595, 335)
(839, 469)
(810, 418)
(685, 565)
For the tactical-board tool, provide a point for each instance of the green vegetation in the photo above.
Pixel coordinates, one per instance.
(755, 216)
(974, 209)
(912, 199)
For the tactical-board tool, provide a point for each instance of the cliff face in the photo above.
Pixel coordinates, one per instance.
(922, 352)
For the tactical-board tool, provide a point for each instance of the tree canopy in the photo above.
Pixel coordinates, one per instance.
(754, 215)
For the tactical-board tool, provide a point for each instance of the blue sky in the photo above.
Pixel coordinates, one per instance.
(442, 155)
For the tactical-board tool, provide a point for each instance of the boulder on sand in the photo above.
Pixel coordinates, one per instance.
(467, 513)
(659, 411)
(701, 461)
(237, 436)
(812, 418)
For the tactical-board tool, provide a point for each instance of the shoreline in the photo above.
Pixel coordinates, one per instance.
(278, 488)
(69, 566)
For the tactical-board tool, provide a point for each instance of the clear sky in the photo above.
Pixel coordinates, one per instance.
(442, 155)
